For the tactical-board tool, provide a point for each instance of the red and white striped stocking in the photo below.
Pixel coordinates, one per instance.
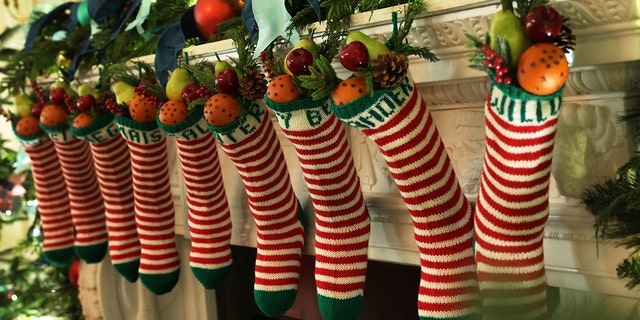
(53, 200)
(341, 216)
(398, 121)
(154, 209)
(513, 202)
(85, 200)
(209, 217)
(110, 155)
(252, 145)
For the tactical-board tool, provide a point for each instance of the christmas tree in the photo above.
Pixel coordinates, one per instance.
(615, 203)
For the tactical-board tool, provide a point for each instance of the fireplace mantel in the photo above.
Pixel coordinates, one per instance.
(604, 81)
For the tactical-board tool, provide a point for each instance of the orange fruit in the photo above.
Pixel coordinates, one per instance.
(82, 120)
(53, 115)
(542, 69)
(348, 90)
(173, 112)
(282, 89)
(141, 110)
(221, 109)
(27, 126)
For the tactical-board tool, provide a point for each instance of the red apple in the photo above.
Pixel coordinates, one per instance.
(227, 80)
(298, 61)
(190, 91)
(542, 24)
(57, 96)
(85, 103)
(37, 109)
(354, 56)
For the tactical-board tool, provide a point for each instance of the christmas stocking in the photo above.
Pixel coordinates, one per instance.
(53, 200)
(208, 211)
(113, 167)
(85, 200)
(342, 222)
(397, 120)
(251, 143)
(513, 203)
(154, 210)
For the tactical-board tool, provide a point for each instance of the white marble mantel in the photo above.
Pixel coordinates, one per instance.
(591, 144)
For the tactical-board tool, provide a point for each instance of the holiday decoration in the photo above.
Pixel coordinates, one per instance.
(395, 117)
(159, 269)
(521, 114)
(95, 125)
(320, 139)
(614, 204)
(209, 13)
(247, 136)
(85, 200)
(209, 218)
(51, 193)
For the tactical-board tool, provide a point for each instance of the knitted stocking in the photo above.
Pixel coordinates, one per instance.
(85, 200)
(513, 203)
(252, 145)
(154, 210)
(53, 200)
(113, 167)
(398, 121)
(342, 222)
(208, 210)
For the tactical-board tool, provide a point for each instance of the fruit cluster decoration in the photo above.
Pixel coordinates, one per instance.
(525, 47)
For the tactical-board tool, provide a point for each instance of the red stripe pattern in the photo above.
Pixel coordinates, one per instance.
(85, 200)
(209, 218)
(113, 168)
(154, 210)
(402, 127)
(256, 153)
(513, 205)
(341, 216)
(53, 202)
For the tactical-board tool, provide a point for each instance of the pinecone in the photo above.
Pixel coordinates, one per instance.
(566, 40)
(389, 69)
(253, 85)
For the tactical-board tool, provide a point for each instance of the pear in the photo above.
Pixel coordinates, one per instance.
(123, 91)
(23, 104)
(374, 47)
(221, 65)
(506, 25)
(86, 88)
(309, 45)
(62, 84)
(178, 80)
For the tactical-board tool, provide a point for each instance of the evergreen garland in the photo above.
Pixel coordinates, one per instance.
(615, 204)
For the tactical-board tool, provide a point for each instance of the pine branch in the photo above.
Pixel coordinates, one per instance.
(203, 73)
(322, 81)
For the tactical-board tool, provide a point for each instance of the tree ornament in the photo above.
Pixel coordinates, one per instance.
(62, 61)
(209, 13)
(83, 13)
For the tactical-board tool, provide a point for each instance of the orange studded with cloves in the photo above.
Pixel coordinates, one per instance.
(141, 110)
(282, 89)
(542, 69)
(348, 90)
(221, 109)
(173, 112)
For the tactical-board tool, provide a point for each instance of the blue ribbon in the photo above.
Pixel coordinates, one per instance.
(170, 43)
